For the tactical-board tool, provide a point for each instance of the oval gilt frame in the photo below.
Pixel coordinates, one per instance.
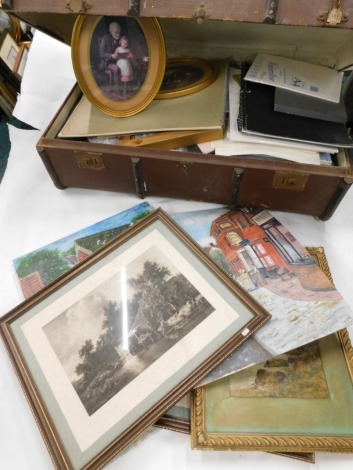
(122, 80)
(186, 75)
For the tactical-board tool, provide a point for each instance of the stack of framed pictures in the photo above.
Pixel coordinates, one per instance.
(149, 298)
(293, 405)
(13, 54)
(152, 296)
(123, 70)
(121, 65)
(14, 46)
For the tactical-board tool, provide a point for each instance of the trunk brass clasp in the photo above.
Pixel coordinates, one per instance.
(335, 16)
(290, 181)
(78, 6)
(90, 161)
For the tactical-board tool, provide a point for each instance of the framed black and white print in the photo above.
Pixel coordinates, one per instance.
(94, 350)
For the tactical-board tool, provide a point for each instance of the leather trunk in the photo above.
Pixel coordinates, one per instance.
(316, 31)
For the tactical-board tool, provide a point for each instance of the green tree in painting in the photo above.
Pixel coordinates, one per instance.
(218, 255)
(49, 263)
(140, 216)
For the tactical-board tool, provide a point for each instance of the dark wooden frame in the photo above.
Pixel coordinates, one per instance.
(247, 316)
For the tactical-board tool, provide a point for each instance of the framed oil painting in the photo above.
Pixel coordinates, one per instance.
(301, 401)
(119, 62)
(178, 417)
(93, 349)
(186, 75)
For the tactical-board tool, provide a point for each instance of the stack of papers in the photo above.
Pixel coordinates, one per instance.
(260, 125)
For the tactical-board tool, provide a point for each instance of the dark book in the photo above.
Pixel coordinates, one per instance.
(258, 116)
(348, 98)
(299, 104)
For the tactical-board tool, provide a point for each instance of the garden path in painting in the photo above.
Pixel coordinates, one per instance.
(301, 316)
(101, 355)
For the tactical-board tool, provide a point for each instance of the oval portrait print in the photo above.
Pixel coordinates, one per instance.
(119, 62)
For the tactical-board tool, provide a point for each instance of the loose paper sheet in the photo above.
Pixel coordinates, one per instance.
(296, 75)
(47, 80)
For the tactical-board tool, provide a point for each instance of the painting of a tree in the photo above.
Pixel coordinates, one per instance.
(162, 305)
(148, 287)
(49, 263)
(86, 367)
(218, 255)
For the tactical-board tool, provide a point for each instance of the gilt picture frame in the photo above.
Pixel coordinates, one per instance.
(186, 75)
(119, 62)
(96, 384)
(319, 421)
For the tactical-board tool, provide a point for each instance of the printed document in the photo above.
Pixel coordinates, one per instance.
(296, 75)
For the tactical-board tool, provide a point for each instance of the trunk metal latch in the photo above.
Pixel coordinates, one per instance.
(90, 161)
(78, 6)
(290, 181)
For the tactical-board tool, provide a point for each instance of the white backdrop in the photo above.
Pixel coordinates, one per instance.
(33, 213)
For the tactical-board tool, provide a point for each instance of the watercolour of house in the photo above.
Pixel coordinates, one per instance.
(257, 247)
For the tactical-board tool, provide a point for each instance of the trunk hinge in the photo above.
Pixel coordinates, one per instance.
(6, 4)
(140, 184)
(133, 8)
(270, 13)
(234, 189)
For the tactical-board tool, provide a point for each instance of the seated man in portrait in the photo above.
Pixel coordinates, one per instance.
(107, 47)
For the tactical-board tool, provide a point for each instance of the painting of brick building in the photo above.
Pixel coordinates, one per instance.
(264, 258)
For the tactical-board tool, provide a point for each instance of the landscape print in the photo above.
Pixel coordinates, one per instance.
(262, 256)
(37, 269)
(100, 352)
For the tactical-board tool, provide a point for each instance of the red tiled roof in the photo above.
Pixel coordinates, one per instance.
(31, 284)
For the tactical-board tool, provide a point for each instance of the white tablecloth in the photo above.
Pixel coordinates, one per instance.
(33, 213)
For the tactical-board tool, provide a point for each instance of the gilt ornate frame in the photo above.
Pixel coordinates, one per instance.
(101, 79)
